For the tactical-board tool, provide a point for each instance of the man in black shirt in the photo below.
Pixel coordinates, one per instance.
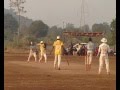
(33, 51)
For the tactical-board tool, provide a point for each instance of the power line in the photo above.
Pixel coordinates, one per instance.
(82, 15)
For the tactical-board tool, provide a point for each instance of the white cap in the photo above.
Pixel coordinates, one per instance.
(58, 37)
(41, 41)
(104, 40)
(31, 42)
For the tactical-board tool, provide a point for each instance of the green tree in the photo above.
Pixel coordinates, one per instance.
(102, 27)
(10, 26)
(10, 23)
(53, 32)
(113, 31)
(38, 29)
(69, 26)
(85, 28)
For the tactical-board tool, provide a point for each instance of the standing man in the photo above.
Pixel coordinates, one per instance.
(33, 51)
(103, 52)
(90, 51)
(42, 51)
(58, 46)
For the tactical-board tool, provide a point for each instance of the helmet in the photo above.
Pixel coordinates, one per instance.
(58, 37)
(41, 41)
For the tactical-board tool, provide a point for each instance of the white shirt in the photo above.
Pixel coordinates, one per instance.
(77, 46)
(104, 48)
(90, 46)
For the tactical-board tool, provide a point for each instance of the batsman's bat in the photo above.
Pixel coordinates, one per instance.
(66, 60)
(63, 53)
(85, 58)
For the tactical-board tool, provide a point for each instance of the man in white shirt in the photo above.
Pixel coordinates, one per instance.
(103, 52)
(77, 47)
(90, 51)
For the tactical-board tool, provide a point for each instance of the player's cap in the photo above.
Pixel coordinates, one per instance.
(58, 37)
(104, 40)
(41, 41)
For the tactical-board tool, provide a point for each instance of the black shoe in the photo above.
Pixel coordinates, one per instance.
(58, 68)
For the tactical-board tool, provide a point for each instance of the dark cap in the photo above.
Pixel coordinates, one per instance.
(90, 39)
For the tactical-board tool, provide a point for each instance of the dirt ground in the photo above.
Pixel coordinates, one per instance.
(21, 75)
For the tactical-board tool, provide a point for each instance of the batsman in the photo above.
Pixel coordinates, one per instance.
(42, 51)
(57, 46)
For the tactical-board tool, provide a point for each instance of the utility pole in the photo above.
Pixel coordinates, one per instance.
(16, 5)
(63, 24)
(82, 18)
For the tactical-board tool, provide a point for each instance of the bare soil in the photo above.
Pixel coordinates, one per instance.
(21, 75)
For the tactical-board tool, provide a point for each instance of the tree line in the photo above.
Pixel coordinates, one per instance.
(38, 30)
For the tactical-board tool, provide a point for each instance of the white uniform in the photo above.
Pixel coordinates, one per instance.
(90, 48)
(32, 53)
(78, 47)
(103, 50)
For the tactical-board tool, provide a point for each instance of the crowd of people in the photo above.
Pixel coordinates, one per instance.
(59, 49)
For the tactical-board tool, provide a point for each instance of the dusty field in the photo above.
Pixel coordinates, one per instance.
(20, 75)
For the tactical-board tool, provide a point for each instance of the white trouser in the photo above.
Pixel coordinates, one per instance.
(103, 57)
(74, 52)
(57, 59)
(43, 55)
(89, 57)
(32, 54)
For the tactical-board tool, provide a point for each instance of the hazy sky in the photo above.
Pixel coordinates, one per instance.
(55, 12)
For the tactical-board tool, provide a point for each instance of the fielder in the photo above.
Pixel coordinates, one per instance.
(90, 51)
(42, 51)
(103, 52)
(33, 52)
(57, 46)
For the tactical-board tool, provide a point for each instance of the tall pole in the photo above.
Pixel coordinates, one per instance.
(19, 26)
(63, 24)
(18, 9)
(63, 31)
(82, 18)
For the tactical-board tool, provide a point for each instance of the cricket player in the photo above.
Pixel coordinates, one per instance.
(90, 50)
(33, 52)
(42, 51)
(103, 52)
(58, 46)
